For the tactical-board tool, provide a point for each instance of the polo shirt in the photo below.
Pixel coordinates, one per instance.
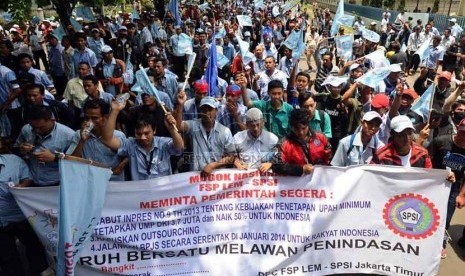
(276, 121)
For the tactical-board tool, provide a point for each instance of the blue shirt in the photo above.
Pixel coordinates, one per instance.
(96, 46)
(190, 110)
(148, 165)
(7, 83)
(208, 148)
(40, 77)
(435, 54)
(228, 51)
(108, 69)
(55, 58)
(107, 97)
(58, 140)
(12, 169)
(169, 85)
(95, 150)
(86, 56)
(225, 118)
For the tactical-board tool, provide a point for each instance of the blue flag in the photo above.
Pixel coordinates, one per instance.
(85, 12)
(337, 16)
(244, 20)
(173, 8)
(82, 195)
(211, 75)
(77, 27)
(423, 105)
(295, 42)
(135, 15)
(344, 46)
(185, 44)
(145, 85)
(370, 35)
(423, 51)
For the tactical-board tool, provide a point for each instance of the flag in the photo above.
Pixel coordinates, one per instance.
(128, 75)
(135, 15)
(211, 75)
(203, 6)
(370, 35)
(373, 77)
(76, 26)
(222, 61)
(82, 195)
(143, 84)
(423, 105)
(174, 9)
(289, 5)
(335, 80)
(259, 4)
(344, 46)
(185, 44)
(337, 16)
(347, 20)
(244, 20)
(85, 12)
(295, 43)
(378, 59)
(423, 51)
(244, 52)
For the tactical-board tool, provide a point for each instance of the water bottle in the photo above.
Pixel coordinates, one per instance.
(88, 128)
(124, 97)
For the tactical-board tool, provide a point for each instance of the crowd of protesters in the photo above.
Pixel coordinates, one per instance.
(64, 95)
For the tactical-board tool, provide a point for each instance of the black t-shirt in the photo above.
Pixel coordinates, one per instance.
(447, 154)
(337, 111)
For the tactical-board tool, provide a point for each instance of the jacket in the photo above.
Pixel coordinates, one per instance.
(293, 155)
(388, 155)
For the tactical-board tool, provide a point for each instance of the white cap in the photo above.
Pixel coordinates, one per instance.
(401, 123)
(373, 23)
(371, 115)
(16, 26)
(453, 20)
(247, 33)
(13, 30)
(106, 49)
(354, 66)
(395, 68)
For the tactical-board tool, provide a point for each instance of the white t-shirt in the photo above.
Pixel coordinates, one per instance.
(406, 159)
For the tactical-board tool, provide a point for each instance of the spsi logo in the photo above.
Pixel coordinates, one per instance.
(411, 216)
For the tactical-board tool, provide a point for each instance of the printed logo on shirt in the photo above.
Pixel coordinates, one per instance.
(454, 161)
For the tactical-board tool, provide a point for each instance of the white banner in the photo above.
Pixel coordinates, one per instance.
(366, 219)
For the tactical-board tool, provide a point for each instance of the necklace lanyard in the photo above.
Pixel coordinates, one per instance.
(148, 163)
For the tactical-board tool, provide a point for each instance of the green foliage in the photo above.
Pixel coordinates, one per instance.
(365, 2)
(401, 6)
(435, 6)
(389, 4)
(19, 9)
(376, 3)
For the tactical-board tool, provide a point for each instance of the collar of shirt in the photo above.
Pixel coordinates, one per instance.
(49, 135)
(113, 62)
(358, 141)
(153, 147)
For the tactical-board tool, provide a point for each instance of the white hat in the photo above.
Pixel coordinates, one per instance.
(401, 123)
(246, 34)
(106, 49)
(373, 23)
(395, 68)
(13, 30)
(16, 26)
(453, 20)
(354, 66)
(371, 115)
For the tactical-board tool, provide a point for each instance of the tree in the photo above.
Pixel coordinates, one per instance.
(435, 6)
(376, 3)
(365, 3)
(19, 9)
(401, 6)
(389, 4)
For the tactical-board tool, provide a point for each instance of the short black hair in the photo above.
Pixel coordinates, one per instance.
(275, 84)
(298, 116)
(39, 112)
(91, 78)
(97, 103)
(303, 97)
(25, 55)
(146, 120)
(36, 86)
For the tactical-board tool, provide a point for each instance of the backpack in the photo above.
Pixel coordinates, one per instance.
(322, 120)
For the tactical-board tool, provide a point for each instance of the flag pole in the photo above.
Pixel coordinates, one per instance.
(62, 155)
(189, 69)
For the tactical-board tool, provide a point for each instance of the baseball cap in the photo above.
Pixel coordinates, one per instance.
(247, 34)
(253, 114)
(445, 74)
(233, 89)
(210, 101)
(106, 49)
(267, 39)
(373, 23)
(13, 30)
(395, 68)
(371, 115)
(95, 30)
(411, 93)
(380, 101)
(201, 86)
(453, 20)
(400, 123)
(122, 28)
(354, 66)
